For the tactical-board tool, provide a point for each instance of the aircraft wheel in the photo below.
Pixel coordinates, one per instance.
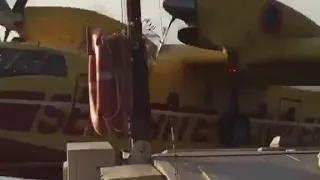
(241, 131)
(234, 131)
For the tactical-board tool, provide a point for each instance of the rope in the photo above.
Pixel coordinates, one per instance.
(119, 89)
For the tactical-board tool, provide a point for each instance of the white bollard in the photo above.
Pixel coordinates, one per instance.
(85, 159)
(319, 160)
(65, 170)
(131, 172)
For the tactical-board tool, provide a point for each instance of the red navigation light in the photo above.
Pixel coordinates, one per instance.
(233, 70)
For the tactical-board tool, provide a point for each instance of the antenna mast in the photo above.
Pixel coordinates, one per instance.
(141, 115)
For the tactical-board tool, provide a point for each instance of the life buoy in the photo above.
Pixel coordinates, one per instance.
(107, 76)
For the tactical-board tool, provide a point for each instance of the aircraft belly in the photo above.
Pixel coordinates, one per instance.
(306, 49)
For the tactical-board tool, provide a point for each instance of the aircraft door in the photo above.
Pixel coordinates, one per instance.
(78, 122)
(290, 109)
(290, 115)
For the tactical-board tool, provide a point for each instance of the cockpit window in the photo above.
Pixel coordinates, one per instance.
(15, 62)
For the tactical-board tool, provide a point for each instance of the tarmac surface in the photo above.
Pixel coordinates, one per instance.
(245, 164)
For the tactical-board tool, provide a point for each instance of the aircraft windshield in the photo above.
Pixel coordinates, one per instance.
(30, 62)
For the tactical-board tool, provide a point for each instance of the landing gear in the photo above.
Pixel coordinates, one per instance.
(234, 126)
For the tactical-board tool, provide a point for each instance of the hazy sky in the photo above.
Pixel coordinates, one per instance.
(151, 9)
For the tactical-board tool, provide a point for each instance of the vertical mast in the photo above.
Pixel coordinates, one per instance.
(141, 115)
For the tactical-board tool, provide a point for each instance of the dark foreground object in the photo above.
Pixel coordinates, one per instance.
(241, 164)
(34, 173)
(234, 130)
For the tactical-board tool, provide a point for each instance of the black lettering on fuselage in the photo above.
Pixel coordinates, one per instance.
(157, 124)
(199, 134)
(52, 112)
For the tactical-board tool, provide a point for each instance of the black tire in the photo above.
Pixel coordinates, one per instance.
(234, 131)
(241, 131)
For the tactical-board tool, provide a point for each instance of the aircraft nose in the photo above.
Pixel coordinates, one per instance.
(181, 9)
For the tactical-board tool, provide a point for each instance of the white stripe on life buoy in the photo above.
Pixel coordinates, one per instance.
(102, 76)
(93, 85)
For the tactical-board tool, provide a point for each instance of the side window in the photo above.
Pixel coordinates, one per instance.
(18, 62)
(55, 65)
(7, 56)
(29, 62)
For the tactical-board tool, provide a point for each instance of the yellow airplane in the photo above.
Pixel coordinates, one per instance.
(51, 96)
(44, 95)
(261, 37)
(268, 43)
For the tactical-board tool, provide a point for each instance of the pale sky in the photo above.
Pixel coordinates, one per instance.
(152, 9)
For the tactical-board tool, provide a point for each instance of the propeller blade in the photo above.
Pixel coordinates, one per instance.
(4, 6)
(6, 35)
(19, 6)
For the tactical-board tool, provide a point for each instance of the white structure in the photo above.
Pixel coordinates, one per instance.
(85, 159)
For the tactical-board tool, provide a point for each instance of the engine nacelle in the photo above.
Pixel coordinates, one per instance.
(192, 37)
(184, 10)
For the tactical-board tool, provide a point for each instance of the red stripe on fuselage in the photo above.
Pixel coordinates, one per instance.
(18, 116)
(22, 95)
(62, 97)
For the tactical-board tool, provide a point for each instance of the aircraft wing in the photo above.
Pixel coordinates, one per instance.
(63, 27)
(283, 73)
(289, 50)
(294, 69)
(192, 55)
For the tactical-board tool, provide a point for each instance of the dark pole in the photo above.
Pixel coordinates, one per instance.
(140, 120)
(234, 83)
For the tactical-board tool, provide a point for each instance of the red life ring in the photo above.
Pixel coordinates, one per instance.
(104, 105)
(109, 79)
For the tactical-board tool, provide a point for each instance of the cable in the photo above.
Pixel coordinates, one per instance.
(162, 41)
(118, 94)
(176, 170)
